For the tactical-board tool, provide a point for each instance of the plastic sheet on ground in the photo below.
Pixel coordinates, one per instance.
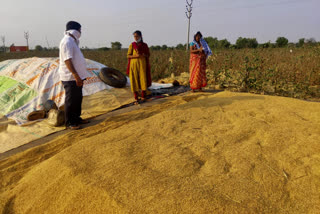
(27, 83)
(13, 136)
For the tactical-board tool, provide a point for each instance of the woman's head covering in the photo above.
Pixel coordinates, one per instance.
(198, 33)
(72, 25)
(203, 42)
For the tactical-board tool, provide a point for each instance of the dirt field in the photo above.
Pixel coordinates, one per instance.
(198, 153)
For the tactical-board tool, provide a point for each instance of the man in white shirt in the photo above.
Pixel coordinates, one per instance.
(72, 71)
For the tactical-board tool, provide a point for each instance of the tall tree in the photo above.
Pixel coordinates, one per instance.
(38, 48)
(116, 45)
(246, 43)
(224, 43)
(164, 47)
(301, 42)
(252, 43)
(212, 42)
(180, 47)
(282, 42)
(311, 42)
(242, 43)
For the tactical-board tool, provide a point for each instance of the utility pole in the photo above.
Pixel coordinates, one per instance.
(3, 39)
(47, 43)
(26, 36)
(189, 15)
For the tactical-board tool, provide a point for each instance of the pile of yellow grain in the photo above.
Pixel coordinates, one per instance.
(200, 153)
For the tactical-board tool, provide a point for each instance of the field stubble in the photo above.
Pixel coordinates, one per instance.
(284, 72)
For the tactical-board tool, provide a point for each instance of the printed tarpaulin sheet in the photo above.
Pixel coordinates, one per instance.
(25, 85)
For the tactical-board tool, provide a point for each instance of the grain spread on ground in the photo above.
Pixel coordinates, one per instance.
(197, 153)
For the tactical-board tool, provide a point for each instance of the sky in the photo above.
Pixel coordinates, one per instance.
(161, 21)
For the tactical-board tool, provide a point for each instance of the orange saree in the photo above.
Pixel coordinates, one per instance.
(198, 66)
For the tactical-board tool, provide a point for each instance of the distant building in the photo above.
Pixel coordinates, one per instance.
(18, 48)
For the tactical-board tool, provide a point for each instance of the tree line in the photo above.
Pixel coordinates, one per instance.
(213, 42)
(243, 42)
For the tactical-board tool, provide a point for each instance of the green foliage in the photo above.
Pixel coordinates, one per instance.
(246, 43)
(282, 42)
(116, 45)
(4, 49)
(181, 47)
(252, 43)
(276, 71)
(224, 43)
(104, 49)
(301, 42)
(164, 47)
(241, 42)
(155, 48)
(265, 45)
(311, 42)
(54, 48)
(38, 48)
(270, 71)
(212, 42)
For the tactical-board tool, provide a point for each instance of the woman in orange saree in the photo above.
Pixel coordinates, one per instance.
(198, 62)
